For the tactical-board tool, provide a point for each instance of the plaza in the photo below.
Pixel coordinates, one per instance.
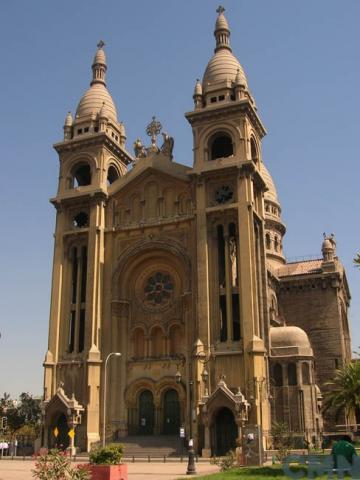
(21, 470)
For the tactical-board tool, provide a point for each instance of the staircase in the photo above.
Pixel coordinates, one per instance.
(155, 446)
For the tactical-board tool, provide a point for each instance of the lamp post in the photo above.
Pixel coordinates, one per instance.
(115, 354)
(191, 468)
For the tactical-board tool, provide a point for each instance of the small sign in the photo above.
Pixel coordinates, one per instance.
(71, 433)
(56, 432)
(191, 442)
(182, 432)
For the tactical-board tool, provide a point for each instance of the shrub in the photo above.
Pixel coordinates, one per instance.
(282, 439)
(55, 465)
(227, 462)
(110, 455)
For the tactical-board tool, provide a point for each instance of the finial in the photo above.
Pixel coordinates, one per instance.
(101, 44)
(220, 9)
(153, 130)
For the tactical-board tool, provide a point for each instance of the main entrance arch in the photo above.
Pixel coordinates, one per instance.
(225, 432)
(146, 413)
(171, 412)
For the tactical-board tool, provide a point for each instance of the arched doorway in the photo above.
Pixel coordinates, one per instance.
(146, 413)
(225, 432)
(171, 420)
(62, 441)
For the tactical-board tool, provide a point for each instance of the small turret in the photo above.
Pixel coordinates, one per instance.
(68, 126)
(122, 134)
(198, 98)
(328, 248)
(239, 86)
(222, 31)
(99, 65)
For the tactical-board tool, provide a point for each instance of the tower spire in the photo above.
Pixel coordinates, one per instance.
(99, 65)
(222, 31)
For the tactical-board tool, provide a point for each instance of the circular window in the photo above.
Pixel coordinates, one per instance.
(224, 194)
(158, 289)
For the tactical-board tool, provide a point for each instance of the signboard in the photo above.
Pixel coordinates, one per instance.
(252, 445)
(182, 432)
(56, 432)
(71, 433)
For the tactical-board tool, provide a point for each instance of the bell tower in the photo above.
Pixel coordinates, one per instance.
(92, 156)
(231, 274)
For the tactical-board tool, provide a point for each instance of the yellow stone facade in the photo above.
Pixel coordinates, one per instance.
(168, 265)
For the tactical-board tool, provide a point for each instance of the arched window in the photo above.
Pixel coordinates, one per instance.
(81, 175)
(305, 373)
(81, 220)
(292, 376)
(157, 342)
(278, 375)
(139, 343)
(268, 241)
(175, 340)
(221, 147)
(276, 244)
(112, 175)
(254, 154)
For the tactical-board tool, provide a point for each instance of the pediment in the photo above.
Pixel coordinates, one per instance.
(224, 397)
(157, 165)
(156, 190)
(61, 402)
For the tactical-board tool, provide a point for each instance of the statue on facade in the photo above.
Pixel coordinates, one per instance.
(139, 149)
(168, 145)
(233, 260)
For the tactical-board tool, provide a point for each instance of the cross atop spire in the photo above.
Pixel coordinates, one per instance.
(222, 31)
(101, 44)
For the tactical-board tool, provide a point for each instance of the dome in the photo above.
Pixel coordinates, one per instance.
(92, 101)
(271, 193)
(223, 66)
(289, 341)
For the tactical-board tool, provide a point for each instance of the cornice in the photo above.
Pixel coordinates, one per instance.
(223, 111)
(91, 140)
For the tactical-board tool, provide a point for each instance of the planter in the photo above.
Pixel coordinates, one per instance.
(109, 472)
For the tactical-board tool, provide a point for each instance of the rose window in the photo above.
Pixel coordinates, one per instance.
(158, 288)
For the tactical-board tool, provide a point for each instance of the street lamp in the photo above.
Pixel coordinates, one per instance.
(115, 354)
(191, 468)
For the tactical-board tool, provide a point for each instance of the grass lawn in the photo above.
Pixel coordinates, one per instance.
(274, 472)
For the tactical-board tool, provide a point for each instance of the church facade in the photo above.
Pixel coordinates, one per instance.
(182, 271)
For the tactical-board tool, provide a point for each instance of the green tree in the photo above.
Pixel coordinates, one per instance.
(21, 416)
(344, 390)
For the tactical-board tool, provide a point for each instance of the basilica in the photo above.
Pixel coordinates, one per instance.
(173, 308)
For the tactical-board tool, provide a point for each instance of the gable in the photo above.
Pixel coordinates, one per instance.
(149, 193)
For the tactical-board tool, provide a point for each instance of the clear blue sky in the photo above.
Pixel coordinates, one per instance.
(302, 63)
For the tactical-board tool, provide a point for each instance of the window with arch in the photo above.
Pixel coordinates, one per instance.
(81, 175)
(253, 149)
(276, 244)
(139, 343)
(278, 375)
(292, 375)
(157, 342)
(112, 175)
(305, 371)
(221, 146)
(268, 241)
(175, 340)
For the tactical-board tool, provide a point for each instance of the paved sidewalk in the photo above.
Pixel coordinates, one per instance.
(21, 470)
